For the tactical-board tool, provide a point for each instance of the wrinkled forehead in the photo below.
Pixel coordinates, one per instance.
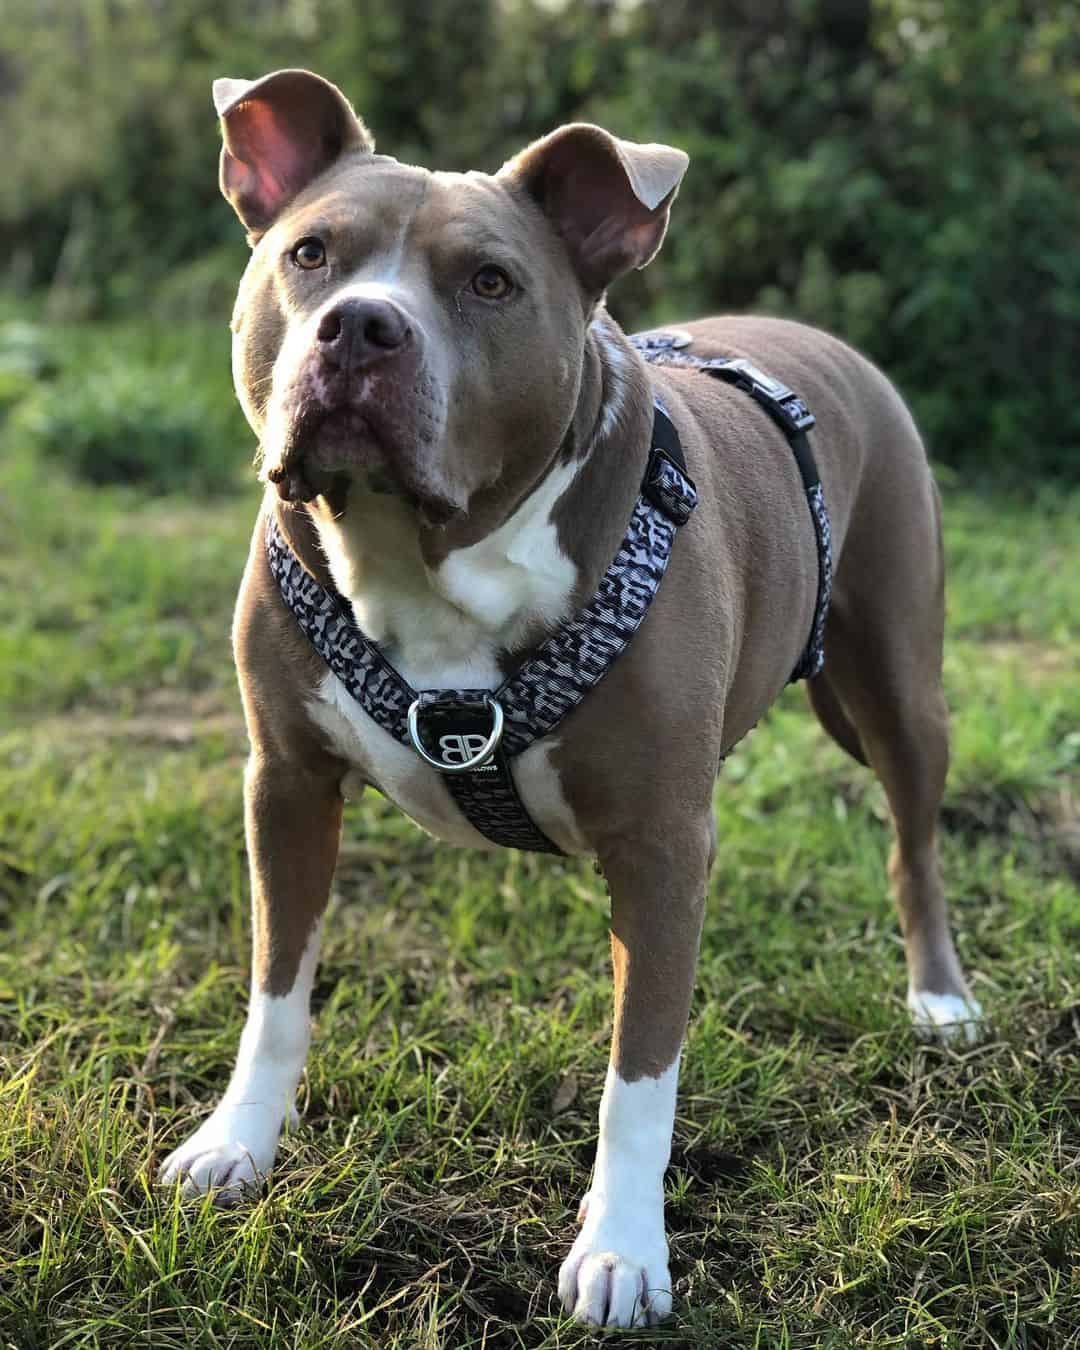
(378, 206)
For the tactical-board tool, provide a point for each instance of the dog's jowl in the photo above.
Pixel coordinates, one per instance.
(532, 580)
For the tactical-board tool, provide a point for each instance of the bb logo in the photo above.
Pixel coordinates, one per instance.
(460, 748)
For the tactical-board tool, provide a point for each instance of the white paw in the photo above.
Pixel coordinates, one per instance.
(617, 1272)
(229, 1154)
(945, 1017)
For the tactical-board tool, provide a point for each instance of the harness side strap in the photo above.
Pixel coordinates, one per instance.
(794, 419)
(667, 347)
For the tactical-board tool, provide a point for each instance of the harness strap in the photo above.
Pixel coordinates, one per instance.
(470, 735)
(449, 724)
(794, 418)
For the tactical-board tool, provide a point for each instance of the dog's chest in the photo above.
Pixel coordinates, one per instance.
(442, 631)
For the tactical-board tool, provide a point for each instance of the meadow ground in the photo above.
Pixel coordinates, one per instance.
(833, 1182)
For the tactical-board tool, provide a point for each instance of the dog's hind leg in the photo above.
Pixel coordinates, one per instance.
(881, 694)
(832, 717)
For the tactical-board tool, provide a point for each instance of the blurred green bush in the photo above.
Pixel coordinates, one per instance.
(125, 402)
(906, 173)
(25, 360)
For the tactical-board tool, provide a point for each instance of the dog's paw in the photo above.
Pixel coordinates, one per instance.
(229, 1154)
(617, 1272)
(953, 1018)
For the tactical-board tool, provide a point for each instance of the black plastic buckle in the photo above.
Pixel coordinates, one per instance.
(784, 405)
(672, 492)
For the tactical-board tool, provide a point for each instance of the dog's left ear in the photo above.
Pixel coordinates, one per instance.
(608, 199)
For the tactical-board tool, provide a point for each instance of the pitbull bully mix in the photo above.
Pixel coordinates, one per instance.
(456, 432)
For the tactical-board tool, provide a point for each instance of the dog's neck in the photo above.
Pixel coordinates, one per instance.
(455, 612)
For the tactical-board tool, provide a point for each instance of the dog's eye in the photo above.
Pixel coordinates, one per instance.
(309, 253)
(492, 283)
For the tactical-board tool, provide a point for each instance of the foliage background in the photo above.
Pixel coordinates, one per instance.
(905, 173)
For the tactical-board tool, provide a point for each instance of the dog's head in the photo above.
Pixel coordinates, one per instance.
(423, 332)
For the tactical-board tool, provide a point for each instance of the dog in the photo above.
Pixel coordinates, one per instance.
(453, 433)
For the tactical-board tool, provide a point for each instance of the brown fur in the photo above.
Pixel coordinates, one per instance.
(638, 758)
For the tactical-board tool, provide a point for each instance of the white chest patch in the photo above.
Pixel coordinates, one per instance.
(442, 629)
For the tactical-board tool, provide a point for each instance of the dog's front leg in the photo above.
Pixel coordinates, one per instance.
(617, 1271)
(293, 824)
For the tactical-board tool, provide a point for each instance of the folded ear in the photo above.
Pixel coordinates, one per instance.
(608, 199)
(279, 133)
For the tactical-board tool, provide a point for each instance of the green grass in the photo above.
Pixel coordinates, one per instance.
(833, 1183)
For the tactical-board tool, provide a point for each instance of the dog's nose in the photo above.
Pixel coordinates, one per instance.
(358, 332)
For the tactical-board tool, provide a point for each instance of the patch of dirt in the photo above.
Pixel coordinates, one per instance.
(1040, 660)
(1051, 823)
(1065, 1033)
(710, 1166)
(164, 717)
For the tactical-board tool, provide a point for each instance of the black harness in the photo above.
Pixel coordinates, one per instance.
(471, 735)
(794, 419)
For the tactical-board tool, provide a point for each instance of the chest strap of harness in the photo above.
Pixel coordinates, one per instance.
(471, 735)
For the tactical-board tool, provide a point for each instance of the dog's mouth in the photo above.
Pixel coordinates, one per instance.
(324, 445)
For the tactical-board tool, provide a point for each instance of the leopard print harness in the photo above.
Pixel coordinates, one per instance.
(472, 735)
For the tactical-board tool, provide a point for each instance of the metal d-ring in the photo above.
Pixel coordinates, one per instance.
(479, 759)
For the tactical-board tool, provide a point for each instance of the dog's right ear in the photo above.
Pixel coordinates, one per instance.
(607, 199)
(279, 133)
